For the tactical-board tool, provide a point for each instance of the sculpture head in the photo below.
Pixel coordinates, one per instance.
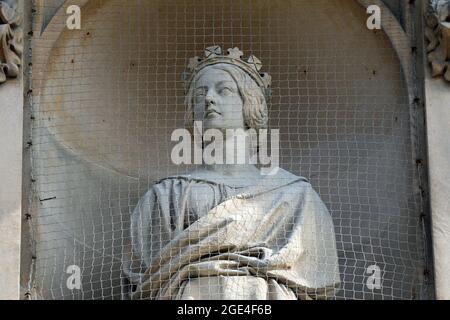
(225, 93)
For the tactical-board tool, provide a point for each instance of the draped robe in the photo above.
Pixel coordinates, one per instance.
(202, 236)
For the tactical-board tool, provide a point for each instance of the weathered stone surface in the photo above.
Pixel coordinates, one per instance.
(11, 39)
(11, 101)
(340, 99)
(438, 131)
(437, 33)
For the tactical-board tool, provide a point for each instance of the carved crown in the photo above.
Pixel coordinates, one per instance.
(214, 55)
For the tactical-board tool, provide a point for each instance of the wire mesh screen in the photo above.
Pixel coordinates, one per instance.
(339, 220)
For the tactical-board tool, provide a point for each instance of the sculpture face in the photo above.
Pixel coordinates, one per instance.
(217, 100)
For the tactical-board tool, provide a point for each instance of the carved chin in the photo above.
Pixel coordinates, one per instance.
(213, 121)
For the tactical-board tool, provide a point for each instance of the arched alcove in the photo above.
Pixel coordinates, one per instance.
(109, 95)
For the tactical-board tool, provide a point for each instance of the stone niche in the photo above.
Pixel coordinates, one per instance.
(107, 98)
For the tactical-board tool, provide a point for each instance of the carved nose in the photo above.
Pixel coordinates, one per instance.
(209, 100)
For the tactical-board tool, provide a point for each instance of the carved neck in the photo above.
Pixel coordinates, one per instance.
(237, 153)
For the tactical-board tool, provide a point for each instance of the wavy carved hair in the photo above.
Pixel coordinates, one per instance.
(254, 103)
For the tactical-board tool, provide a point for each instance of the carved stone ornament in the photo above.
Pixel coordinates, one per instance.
(438, 35)
(215, 55)
(11, 40)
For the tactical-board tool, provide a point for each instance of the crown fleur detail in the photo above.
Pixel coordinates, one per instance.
(214, 55)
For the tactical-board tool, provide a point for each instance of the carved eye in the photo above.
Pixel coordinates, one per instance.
(200, 93)
(225, 91)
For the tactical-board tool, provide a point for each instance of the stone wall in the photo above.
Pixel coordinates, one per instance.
(108, 96)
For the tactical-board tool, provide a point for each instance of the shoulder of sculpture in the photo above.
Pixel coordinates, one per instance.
(290, 177)
(169, 180)
(282, 177)
(296, 183)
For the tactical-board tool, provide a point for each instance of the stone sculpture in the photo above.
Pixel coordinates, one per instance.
(225, 231)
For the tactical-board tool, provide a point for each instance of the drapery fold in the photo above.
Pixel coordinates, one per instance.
(279, 232)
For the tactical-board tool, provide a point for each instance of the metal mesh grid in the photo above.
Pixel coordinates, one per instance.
(109, 96)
